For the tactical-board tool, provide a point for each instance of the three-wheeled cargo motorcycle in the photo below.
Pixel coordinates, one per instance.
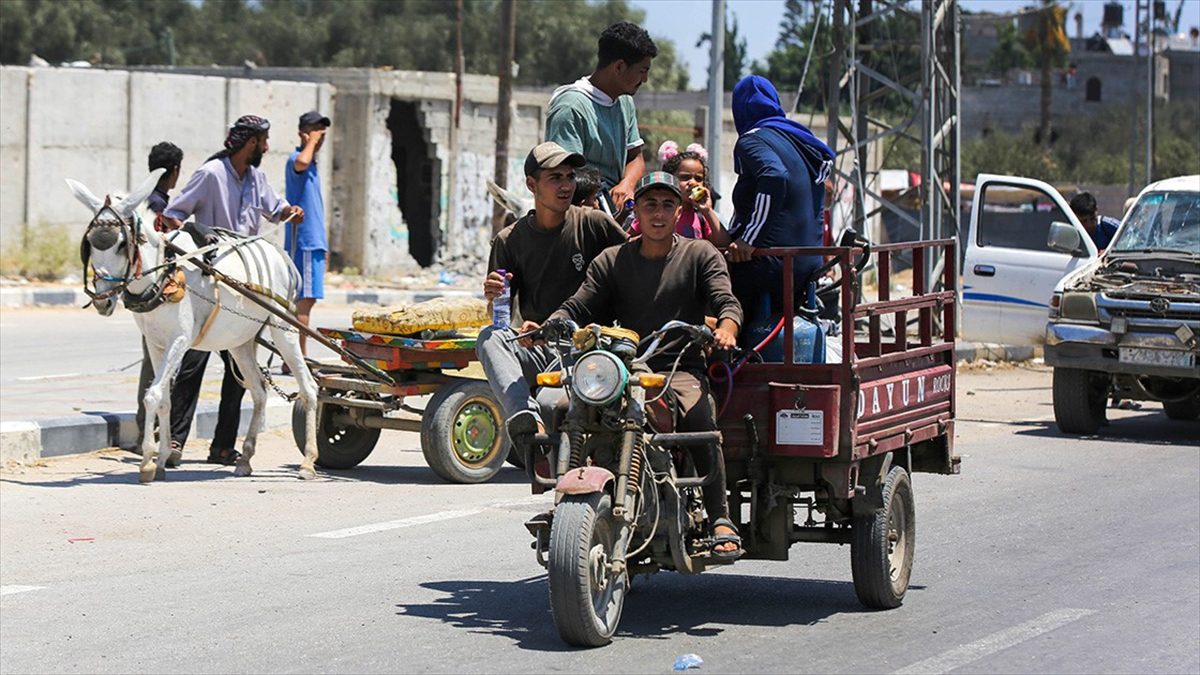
(814, 452)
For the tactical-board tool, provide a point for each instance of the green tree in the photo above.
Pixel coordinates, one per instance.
(1047, 41)
(1009, 51)
(784, 65)
(556, 42)
(888, 45)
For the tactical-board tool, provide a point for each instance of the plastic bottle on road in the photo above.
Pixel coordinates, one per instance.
(502, 304)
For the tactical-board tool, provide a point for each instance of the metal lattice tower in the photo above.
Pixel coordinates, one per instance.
(934, 122)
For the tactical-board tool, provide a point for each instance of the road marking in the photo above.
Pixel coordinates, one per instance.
(422, 520)
(999, 641)
(39, 378)
(12, 590)
(395, 524)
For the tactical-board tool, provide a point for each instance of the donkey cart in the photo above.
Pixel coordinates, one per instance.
(461, 426)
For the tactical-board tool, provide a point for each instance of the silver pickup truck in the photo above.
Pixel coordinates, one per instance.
(1127, 325)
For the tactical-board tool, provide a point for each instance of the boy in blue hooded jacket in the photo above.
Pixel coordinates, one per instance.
(778, 199)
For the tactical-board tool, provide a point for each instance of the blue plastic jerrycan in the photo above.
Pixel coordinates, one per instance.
(808, 338)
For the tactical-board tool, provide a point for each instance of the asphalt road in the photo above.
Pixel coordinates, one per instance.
(1048, 554)
(62, 361)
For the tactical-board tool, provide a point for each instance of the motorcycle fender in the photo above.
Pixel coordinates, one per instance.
(584, 481)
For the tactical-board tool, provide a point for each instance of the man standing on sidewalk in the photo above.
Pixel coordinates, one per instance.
(595, 115)
(305, 242)
(229, 191)
(168, 156)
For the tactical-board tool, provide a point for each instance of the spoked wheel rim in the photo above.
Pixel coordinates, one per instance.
(475, 434)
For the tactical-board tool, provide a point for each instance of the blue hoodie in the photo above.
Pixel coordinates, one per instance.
(781, 168)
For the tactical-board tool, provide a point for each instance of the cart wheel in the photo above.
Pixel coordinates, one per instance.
(338, 447)
(462, 433)
(881, 548)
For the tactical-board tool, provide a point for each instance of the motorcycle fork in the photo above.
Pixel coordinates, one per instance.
(629, 474)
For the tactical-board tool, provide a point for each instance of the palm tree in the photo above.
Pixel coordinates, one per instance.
(1047, 41)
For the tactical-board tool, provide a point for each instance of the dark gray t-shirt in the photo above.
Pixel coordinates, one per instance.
(547, 267)
(643, 293)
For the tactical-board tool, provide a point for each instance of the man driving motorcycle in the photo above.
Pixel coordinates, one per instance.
(655, 278)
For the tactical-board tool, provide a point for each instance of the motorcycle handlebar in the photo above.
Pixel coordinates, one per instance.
(551, 329)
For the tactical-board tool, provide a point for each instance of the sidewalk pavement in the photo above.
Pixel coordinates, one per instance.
(57, 296)
(27, 441)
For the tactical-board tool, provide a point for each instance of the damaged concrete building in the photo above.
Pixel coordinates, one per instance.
(399, 200)
(406, 188)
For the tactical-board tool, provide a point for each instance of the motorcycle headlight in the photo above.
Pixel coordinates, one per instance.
(599, 378)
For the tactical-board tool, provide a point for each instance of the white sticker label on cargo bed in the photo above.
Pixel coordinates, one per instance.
(800, 427)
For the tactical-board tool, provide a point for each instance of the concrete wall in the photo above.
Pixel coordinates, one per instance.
(1010, 107)
(1185, 75)
(97, 126)
(14, 99)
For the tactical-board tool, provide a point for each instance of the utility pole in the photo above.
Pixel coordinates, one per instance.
(1149, 103)
(458, 61)
(508, 39)
(716, 92)
(1133, 99)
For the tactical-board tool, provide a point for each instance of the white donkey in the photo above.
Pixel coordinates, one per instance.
(181, 310)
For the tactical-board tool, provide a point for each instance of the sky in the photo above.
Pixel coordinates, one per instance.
(758, 20)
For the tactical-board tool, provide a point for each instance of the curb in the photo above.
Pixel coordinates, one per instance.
(26, 442)
(61, 296)
(986, 351)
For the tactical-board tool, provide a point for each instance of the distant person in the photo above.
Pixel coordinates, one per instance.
(1100, 228)
(587, 188)
(168, 156)
(230, 192)
(305, 242)
(779, 197)
(595, 115)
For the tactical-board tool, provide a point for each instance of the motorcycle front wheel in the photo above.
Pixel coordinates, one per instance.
(586, 597)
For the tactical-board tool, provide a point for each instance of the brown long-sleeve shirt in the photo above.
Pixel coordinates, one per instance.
(643, 293)
(547, 267)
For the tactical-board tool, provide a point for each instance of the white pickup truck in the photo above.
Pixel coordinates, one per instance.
(1009, 271)
(1122, 324)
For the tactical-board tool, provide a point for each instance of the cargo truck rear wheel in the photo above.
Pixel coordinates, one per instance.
(882, 544)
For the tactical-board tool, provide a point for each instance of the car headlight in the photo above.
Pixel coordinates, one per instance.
(1079, 306)
(599, 378)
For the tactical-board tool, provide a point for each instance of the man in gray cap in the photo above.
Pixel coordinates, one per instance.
(544, 255)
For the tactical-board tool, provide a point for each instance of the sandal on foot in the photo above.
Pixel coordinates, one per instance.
(176, 455)
(226, 456)
(728, 538)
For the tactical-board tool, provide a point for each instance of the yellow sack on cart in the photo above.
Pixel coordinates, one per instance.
(436, 314)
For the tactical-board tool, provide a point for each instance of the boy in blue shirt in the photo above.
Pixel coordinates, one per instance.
(1100, 228)
(305, 242)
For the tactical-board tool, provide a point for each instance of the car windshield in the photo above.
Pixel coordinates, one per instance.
(1162, 221)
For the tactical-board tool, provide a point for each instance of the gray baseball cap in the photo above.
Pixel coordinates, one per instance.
(549, 155)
